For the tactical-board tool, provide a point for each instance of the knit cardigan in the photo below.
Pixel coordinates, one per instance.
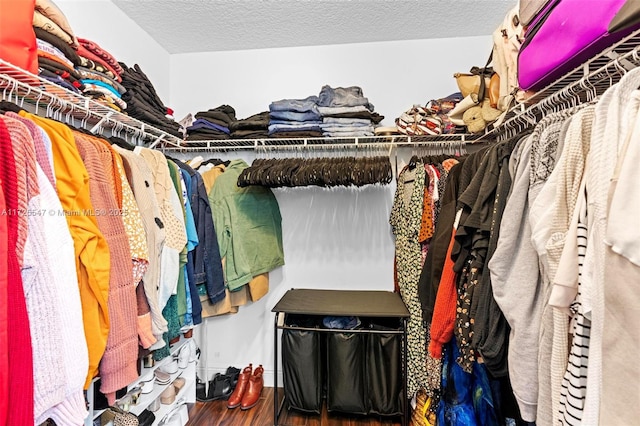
(137, 246)
(141, 180)
(552, 345)
(39, 289)
(91, 249)
(59, 246)
(118, 364)
(42, 146)
(19, 396)
(172, 218)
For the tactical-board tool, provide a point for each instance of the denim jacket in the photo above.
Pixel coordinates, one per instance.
(196, 305)
(207, 266)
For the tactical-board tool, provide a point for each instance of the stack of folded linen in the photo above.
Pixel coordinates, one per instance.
(144, 103)
(56, 45)
(346, 112)
(212, 124)
(101, 75)
(295, 118)
(254, 127)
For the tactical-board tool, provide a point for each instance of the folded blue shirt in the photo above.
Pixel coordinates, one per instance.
(294, 116)
(299, 105)
(102, 84)
(201, 123)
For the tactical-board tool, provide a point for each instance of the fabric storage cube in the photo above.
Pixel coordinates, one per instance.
(346, 383)
(384, 373)
(302, 370)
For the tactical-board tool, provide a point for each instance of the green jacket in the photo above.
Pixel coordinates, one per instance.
(248, 225)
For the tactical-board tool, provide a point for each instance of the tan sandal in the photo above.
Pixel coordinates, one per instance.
(179, 383)
(168, 395)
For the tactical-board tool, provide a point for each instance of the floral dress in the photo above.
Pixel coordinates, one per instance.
(405, 220)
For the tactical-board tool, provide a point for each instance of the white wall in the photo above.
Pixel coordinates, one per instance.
(333, 238)
(393, 75)
(103, 22)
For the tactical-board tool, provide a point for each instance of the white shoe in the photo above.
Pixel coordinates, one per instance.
(195, 351)
(184, 356)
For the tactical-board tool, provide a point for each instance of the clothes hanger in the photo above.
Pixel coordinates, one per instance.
(6, 106)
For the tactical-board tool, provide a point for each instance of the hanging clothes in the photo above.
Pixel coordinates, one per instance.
(91, 250)
(140, 178)
(622, 275)
(405, 220)
(118, 363)
(20, 391)
(248, 226)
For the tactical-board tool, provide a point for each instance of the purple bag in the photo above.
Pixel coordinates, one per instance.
(566, 34)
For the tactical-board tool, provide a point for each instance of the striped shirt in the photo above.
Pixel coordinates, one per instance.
(574, 383)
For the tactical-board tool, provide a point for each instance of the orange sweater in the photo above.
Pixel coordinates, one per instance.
(444, 311)
(92, 252)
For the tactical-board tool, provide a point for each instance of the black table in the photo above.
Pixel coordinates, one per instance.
(371, 304)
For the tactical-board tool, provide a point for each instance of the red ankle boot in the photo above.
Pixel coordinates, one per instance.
(243, 380)
(252, 394)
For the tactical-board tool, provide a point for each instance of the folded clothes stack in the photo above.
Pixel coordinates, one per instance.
(346, 112)
(430, 119)
(295, 118)
(56, 45)
(144, 103)
(212, 124)
(101, 75)
(254, 127)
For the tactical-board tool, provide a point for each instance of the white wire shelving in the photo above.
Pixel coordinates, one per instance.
(584, 83)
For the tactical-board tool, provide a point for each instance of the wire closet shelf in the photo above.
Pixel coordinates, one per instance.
(43, 97)
(584, 83)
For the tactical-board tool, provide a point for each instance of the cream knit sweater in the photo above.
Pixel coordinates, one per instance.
(141, 180)
(59, 246)
(550, 218)
(173, 219)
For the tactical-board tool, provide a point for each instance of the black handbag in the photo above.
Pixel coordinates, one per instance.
(146, 418)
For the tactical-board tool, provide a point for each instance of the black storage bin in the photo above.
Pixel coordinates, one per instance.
(302, 370)
(384, 373)
(346, 383)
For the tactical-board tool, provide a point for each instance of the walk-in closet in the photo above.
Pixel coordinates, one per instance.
(331, 213)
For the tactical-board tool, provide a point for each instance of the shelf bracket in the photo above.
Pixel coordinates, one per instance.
(623, 62)
(157, 141)
(101, 122)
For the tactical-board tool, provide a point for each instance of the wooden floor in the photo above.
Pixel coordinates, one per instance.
(216, 413)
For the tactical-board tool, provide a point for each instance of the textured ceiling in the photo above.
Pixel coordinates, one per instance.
(183, 26)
